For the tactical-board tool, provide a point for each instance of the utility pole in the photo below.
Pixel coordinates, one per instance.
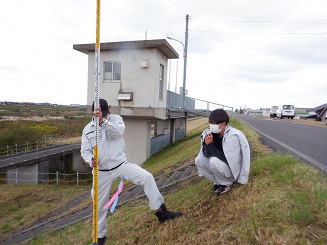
(169, 74)
(185, 59)
(176, 77)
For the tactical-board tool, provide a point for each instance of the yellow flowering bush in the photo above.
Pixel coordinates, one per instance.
(44, 128)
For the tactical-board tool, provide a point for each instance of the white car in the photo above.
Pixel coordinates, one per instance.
(285, 111)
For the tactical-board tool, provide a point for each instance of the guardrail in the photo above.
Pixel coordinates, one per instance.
(48, 142)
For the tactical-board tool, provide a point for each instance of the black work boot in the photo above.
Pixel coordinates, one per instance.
(163, 214)
(102, 240)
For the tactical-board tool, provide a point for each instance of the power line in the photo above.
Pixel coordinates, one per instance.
(310, 22)
(262, 33)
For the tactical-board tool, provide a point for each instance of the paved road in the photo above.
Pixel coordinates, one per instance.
(22, 159)
(305, 141)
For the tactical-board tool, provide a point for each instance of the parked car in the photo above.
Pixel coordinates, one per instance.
(272, 112)
(285, 111)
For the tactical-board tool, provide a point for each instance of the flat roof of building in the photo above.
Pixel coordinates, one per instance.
(161, 44)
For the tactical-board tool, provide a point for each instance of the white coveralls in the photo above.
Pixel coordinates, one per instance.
(111, 146)
(237, 152)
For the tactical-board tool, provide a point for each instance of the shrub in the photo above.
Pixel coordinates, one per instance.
(19, 133)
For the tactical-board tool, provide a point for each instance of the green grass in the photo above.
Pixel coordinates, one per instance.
(285, 202)
(20, 205)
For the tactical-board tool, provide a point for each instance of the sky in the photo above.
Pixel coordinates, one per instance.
(253, 54)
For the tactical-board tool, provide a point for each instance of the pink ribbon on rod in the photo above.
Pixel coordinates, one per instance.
(114, 198)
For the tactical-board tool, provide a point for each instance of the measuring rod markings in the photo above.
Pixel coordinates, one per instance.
(96, 128)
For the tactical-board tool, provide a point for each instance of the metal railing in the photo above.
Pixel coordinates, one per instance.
(73, 179)
(49, 141)
(193, 105)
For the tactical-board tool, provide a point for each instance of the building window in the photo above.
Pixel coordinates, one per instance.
(161, 81)
(112, 71)
(153, 128)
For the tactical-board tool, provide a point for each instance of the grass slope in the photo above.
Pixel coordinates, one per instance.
(285, 202)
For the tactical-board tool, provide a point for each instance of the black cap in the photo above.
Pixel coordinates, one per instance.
(104, 107)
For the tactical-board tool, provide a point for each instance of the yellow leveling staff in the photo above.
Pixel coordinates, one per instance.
(96, 128)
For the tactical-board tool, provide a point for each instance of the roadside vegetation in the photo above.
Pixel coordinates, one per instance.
(40, 111)
(285, 202)
(29, 127)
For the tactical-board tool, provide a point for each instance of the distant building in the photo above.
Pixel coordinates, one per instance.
(28, 103)
(318, 112)
(261, 112)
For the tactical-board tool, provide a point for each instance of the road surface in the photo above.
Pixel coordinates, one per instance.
(306, 141)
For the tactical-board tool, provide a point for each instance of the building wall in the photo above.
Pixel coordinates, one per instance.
(180, 128)
(143, 82)
(137, 140)
(140, 144)
(162, 138)
(159, 142)
(168, 131)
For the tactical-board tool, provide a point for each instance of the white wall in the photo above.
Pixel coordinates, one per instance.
(137, 140)
(143, 82)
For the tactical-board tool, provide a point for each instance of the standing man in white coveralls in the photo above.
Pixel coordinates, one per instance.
(113, 164)
(224, 157)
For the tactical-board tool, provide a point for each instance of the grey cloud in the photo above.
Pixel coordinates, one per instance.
(270, 70)
(307, 51)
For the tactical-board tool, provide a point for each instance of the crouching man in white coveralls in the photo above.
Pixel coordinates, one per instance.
(224, 157)
(113, 164)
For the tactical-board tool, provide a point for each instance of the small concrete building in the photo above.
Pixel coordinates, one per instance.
(133, 79)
